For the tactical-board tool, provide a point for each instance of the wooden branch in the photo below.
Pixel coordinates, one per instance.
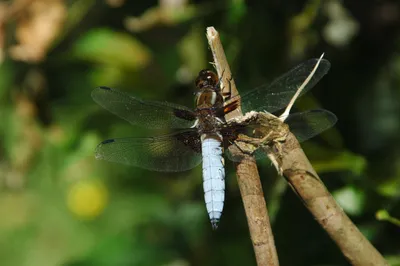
(285, 153)
(246, 171)
(291, 161)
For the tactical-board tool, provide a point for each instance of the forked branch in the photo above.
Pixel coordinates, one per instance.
(283, 149)
(285, 152)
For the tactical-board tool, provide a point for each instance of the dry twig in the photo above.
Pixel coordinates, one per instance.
(295, 167)
(247, 173)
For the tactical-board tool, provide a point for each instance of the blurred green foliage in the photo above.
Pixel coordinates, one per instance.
(59, 206)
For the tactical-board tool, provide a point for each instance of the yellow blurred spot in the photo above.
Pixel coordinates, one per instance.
(87, 199)
(382, 215)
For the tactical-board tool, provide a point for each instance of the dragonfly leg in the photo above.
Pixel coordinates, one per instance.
(228, 95)
(220, 78)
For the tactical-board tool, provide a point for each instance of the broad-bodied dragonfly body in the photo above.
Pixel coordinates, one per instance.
(204, 134)
(210, 118)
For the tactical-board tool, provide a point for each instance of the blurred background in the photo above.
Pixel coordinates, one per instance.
(59, 206)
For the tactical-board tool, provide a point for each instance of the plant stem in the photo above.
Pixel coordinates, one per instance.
(291, 161)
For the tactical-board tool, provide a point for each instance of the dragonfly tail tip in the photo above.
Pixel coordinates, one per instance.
(214, 223)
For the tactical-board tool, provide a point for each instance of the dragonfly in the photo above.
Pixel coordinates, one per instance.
(203, 134)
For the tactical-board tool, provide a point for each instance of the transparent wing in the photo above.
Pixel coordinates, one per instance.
(170, 153)
(277, 95)
(308, 124)
(303, 125)
(148, 114)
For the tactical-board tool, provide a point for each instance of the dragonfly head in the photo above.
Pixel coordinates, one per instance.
(206, 79)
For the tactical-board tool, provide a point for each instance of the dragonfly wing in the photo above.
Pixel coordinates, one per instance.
(170, 153)
(277, 95)
(148, 114)
(303, 125)
(257, 154)
(308, 124)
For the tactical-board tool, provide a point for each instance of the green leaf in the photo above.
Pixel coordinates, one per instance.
(112, 48)
(350, 199)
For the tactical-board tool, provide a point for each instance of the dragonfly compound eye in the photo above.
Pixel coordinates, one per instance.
(206, 78)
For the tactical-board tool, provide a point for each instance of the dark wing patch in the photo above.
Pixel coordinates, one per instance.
(170, 153)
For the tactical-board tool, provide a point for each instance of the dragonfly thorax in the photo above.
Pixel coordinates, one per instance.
(209, 92)
(209, 121)
(209, 102)
(209, 98)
